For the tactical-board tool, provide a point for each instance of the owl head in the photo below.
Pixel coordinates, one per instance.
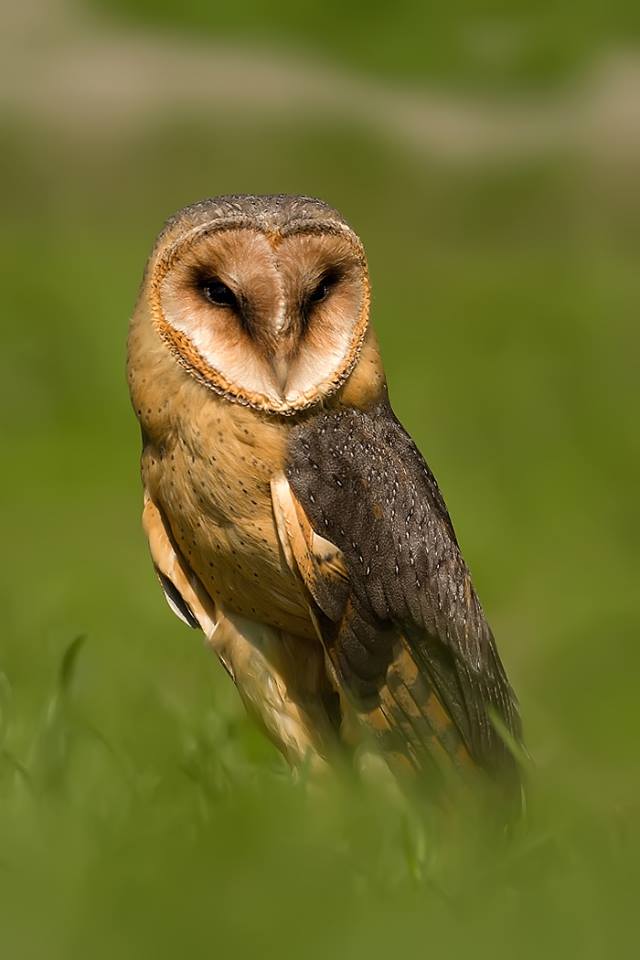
(265, 300)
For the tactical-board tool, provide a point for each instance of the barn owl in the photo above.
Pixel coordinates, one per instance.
(289, 515)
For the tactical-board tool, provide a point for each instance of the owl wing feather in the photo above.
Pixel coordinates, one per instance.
(289, 703)
(182, 590)
(363, 522)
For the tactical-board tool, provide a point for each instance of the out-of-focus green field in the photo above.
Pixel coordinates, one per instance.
(140, 812)
(503, 43)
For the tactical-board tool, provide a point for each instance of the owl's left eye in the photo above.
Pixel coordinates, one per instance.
(319, 293)
(322, 289)
(218, 293)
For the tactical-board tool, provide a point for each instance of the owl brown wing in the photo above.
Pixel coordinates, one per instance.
(394, 602)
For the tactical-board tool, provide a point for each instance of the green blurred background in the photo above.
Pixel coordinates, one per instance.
(488, 158)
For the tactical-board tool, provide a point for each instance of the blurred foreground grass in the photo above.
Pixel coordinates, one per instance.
(140, 812)
(207, 846)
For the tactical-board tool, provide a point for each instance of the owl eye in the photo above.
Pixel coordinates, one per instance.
(319, 293)
(322, 289)
(219, 293)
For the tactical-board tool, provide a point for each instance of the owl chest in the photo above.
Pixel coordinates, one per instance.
(213, 485)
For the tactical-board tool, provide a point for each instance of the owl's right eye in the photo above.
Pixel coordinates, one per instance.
(218, 293)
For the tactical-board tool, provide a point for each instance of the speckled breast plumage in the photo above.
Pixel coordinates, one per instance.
(210, 477)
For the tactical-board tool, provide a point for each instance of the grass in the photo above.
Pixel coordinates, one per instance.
(495, 47)
(141, 813)
(113, 850)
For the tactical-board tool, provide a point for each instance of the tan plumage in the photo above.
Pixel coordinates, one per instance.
(287, 513)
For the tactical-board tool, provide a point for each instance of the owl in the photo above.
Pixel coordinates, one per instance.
(289, 515)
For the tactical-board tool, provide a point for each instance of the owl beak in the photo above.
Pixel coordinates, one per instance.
(280, 368)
